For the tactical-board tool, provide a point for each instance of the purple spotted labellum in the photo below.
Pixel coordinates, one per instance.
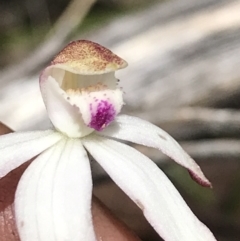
(103, 114)
(83, 100)
(80, 90)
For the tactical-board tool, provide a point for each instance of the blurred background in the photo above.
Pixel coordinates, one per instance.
(183, 75)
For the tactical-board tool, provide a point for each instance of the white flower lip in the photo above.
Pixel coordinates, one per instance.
(80, 90)
(53, 198)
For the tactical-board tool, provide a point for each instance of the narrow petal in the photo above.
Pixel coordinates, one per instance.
(17, 148)
(136, 130)
(53, 198)
(150, 189)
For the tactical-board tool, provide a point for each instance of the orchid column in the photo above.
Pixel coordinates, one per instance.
(80, 90)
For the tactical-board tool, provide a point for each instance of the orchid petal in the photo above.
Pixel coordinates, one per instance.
(53, 198)
(136, 130)
(149, 188)
(17, 148)
(65, 117)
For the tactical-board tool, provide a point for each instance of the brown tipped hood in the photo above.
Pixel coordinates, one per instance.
(86, 57)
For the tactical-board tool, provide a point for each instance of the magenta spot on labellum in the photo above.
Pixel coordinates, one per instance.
(103, 115)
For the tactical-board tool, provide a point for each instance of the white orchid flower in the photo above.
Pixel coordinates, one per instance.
(83, 100)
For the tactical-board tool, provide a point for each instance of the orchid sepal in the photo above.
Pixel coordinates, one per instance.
(136, 130)
(149, 188)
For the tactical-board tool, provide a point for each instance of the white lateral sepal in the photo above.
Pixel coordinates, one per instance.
(139, 131)
(149, 188)
(17, 148)
(53, 198)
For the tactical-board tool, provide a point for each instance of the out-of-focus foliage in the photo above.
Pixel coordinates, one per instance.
(25, 23)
